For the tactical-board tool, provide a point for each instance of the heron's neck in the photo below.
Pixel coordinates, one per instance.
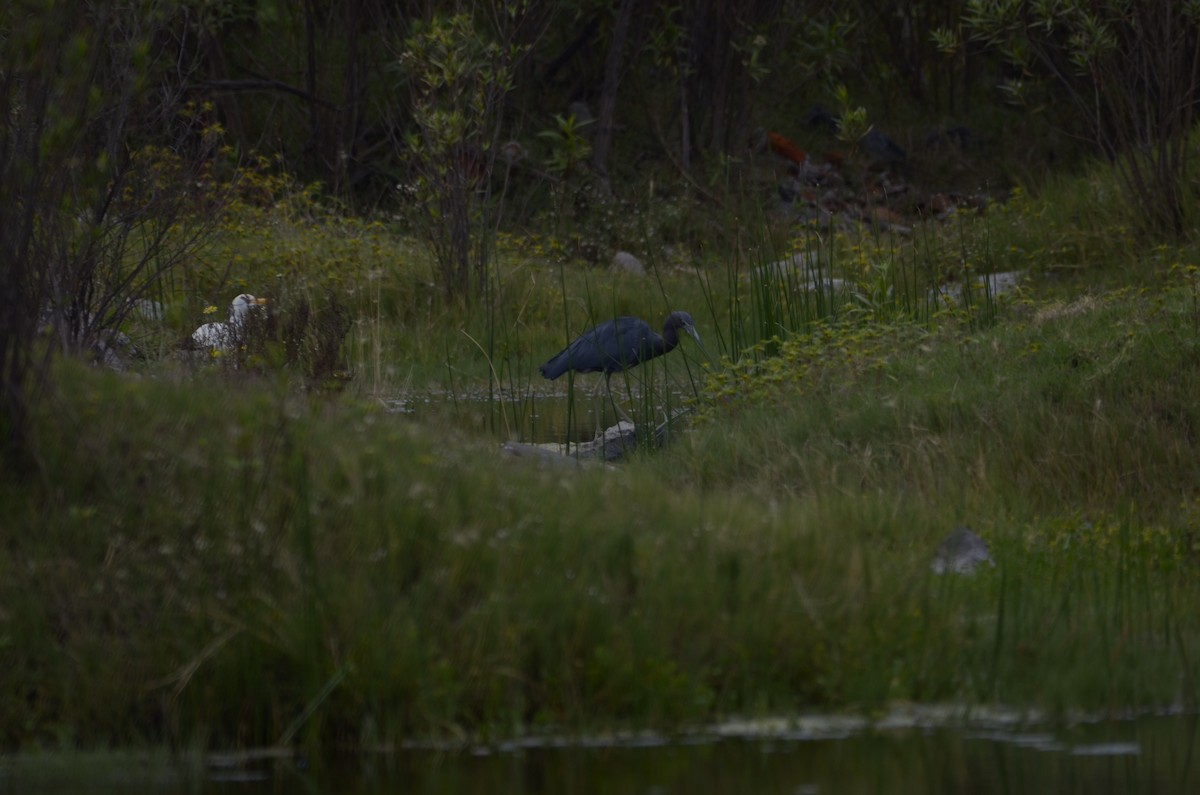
(666, 342)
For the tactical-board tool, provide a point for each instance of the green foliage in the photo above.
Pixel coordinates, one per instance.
(458, 80)
(753, 59)
(1129, 70)
(866, 386)
(852, 119)
(95, 191)
(272, 567)
(826, 43)
(798, 364)
(569, 147)
(234, 561)
(667, 44)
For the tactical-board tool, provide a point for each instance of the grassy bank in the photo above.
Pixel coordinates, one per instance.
(209, 555)
(253, 546)
(217, 559)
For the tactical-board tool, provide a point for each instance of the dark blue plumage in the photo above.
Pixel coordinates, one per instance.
(619, 345)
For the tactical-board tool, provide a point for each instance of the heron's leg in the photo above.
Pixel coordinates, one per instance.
(616, 406)
(596, 406)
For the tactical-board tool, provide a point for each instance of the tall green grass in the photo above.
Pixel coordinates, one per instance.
(213, 556)
(230, 563)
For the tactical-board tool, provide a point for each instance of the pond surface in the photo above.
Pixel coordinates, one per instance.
(538, 418)
(1145, 755)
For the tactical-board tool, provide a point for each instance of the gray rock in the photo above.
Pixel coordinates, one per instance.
(961, 552)
(881, 149)
(540, 454)
(111, 349)
(624, 261)
(991, 284)
(581, 112)
(610, 445)
(803, 272)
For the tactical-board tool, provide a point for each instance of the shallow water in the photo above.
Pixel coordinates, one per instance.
(536, 418)
(1146, 755)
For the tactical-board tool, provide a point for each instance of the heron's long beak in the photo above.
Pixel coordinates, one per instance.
(691, 332)
(261, 301)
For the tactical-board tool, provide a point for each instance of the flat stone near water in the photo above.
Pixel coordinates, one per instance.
(610, 445)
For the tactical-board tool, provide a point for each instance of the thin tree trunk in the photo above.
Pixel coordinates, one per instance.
(685, 128)
(602, 143)
(310, 73)
(352, 100)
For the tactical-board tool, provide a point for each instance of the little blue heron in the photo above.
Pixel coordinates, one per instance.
(223, 337)
(617, 345)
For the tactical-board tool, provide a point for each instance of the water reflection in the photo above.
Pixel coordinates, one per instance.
(1129, 757)
(1148, 755)
(537, 418)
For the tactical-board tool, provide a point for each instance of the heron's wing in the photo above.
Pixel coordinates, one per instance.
(632, 343)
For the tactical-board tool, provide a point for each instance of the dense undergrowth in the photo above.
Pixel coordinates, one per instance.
(229, 563)
(247, 547)
(210, 555)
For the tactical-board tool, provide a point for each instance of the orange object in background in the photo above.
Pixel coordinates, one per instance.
(835, 157)
(785, 148)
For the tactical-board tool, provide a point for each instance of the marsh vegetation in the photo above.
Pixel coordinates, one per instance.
(253, 547)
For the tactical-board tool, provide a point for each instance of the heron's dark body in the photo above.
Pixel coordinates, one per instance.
(618, 345)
